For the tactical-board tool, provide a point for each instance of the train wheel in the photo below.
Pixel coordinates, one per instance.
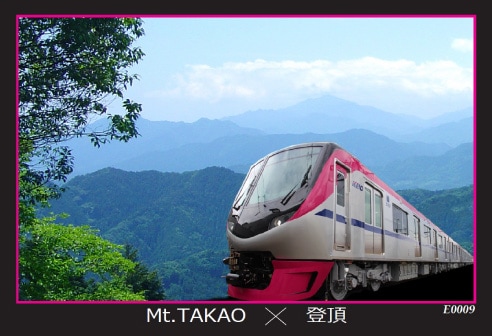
(375, 285)
(335, 283)
(337, 292)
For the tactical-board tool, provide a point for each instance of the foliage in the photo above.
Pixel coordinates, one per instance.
(196, 277)
(141, 279)
(69, 71)
(71, 263)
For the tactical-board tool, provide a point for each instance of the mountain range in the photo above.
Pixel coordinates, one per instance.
(389, 144)
(329, 114)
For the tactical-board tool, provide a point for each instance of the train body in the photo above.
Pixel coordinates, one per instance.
(311, 221)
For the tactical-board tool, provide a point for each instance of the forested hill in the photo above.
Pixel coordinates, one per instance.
(451, 210)
(177, 220)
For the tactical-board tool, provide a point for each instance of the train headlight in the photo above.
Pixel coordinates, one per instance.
(277, 221)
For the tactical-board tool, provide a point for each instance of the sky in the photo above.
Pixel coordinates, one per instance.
(214, 67)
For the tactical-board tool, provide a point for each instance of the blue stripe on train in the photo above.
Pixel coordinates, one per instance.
(355, 222)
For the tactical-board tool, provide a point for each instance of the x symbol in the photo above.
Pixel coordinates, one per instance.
(275, 316)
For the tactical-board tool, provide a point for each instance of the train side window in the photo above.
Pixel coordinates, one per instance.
(373, 209)
(427, 234)
(378, 209)
(340, 188)
(400, 220)
(414, 229)
(368, 206)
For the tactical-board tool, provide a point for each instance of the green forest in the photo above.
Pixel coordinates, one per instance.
(177, 220)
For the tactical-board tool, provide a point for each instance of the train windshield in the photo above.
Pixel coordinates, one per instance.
(247, 184)
(285, 173)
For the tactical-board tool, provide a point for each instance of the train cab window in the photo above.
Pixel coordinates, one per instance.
(400, 220)
(340, 188)
(284, 174)
(247, 184)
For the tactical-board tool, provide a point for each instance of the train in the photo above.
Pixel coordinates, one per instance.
(310, 221)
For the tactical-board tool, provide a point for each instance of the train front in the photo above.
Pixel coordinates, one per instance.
(274, 242)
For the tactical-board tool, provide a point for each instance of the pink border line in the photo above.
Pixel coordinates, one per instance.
(257, 16)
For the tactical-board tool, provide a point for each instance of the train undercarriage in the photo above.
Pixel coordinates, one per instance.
(255, 270)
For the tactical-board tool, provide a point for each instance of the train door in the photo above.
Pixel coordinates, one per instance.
(341, 218)
(373, 220)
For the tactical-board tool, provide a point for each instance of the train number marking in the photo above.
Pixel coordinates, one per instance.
(458, 309)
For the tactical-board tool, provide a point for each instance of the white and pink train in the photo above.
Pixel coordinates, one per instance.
(311, 220)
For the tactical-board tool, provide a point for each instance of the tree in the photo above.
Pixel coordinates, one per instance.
(141, 279)
(66, 263)
(69, 72)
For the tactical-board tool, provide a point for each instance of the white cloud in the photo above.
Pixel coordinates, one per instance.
(398, 86)
(463, 45)
(259, 79)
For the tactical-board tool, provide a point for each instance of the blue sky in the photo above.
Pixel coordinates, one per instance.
(212, 67)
